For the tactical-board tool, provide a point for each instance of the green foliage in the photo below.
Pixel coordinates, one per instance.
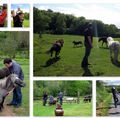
(41, 21)
(26, 16)
(14, 43)
(59, 23)
(69, 88)
(26, 23)
(103, 97)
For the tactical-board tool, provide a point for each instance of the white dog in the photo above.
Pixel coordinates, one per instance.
(114, 47)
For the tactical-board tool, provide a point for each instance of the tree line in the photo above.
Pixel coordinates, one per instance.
(69, 88)
(12, 43)
(48, 21)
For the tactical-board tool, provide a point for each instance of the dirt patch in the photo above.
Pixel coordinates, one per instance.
(7, 111)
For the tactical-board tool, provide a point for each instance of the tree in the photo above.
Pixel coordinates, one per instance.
(60, 24)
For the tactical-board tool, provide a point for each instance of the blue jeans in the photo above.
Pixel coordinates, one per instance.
(17, 96)
(85, 58)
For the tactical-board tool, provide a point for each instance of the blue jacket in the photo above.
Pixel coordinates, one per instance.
(16, 68)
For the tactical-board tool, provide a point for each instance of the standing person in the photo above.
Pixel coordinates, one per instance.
(3, 15)
(88, 38)
(18, 11)
(114, 93)
(45, 97)
(18, 19)
(60, 97)
(15, 68)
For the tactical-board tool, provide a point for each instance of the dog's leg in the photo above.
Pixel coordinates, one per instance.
(110, 53)
(56, 53)
(51, 53)
(102, 44)
(115, 56)
(0, 107)
(2, 102)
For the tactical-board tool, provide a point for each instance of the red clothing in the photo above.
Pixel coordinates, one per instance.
(3, 17)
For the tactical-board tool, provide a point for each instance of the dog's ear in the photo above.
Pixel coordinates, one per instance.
(7, 82)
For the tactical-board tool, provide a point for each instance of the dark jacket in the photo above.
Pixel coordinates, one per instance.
(87, 32)
(16, 68)
(17, 22)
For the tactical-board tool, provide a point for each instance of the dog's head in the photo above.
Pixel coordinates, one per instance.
(15, 81)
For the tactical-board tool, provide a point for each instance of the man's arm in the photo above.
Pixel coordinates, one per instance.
(3, 17)
(90, 41)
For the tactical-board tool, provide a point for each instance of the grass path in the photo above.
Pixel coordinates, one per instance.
(73, 109)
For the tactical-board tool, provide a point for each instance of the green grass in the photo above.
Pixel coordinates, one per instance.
(73, 109)
(26, 23)
(70, 58)
(24, 109)
(104, 105)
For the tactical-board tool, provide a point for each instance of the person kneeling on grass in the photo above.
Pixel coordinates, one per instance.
(15, 68)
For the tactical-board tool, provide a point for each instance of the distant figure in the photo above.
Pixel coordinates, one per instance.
(51, 99)
(114, 93)
(60, 97)
(45, 97)
(88, 45)
(3, 15)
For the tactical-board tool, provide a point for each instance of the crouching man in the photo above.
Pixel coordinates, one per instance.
(14, 67)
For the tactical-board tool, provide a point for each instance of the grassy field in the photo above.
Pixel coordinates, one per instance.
(74, 109)
(26, 23)
(24, 109)
(69, 63)
(104, 105)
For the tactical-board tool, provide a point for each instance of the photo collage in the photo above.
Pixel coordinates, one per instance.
(59, 59)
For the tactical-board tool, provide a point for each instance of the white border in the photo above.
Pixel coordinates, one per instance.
(30, 29)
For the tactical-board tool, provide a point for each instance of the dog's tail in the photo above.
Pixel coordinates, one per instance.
(49, 51)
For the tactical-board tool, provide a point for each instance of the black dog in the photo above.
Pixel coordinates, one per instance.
(56, 47)
(76, 43)
(104, 40)
(87, 98)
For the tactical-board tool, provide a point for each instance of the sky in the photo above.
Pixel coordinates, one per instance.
(24, 7)
(109, 13)
(112, 82)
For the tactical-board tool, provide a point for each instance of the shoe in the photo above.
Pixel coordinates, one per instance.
(10, 104)
(17, 106)
(84, 66)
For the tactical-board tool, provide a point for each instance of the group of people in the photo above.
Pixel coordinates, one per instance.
(51, 98)
(18, 18)
(15, 68)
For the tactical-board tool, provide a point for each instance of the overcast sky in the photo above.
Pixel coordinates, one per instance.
(23, 7)
(107, 12)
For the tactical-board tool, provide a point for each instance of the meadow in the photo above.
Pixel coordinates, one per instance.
(24, 109)
(69, 63)
(26, 23)
(73, 109)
